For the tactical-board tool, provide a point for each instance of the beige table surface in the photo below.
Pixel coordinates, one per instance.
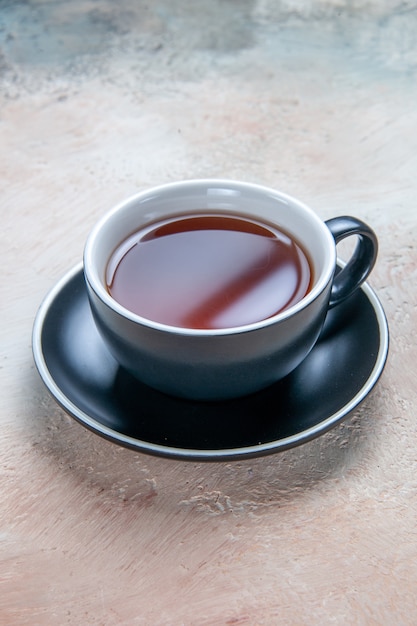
(99, 100)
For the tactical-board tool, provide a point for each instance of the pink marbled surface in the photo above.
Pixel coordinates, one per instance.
(317, 99)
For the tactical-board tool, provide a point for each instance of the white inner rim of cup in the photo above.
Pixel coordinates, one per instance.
(245, 199)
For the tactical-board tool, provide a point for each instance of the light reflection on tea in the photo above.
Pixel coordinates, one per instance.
(208, 271)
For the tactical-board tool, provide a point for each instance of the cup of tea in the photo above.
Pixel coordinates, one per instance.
(214, 289)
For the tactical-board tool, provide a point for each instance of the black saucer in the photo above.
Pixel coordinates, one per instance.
(88, 383)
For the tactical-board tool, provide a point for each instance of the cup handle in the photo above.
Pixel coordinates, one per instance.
(362, 260)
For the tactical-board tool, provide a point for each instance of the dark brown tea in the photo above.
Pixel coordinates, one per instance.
(208, 271)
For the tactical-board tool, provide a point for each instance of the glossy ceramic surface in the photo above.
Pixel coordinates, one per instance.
(84, 378)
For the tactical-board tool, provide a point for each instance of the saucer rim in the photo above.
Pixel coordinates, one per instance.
(197, 454)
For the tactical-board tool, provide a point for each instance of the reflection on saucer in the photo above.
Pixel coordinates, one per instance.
(84, 378)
